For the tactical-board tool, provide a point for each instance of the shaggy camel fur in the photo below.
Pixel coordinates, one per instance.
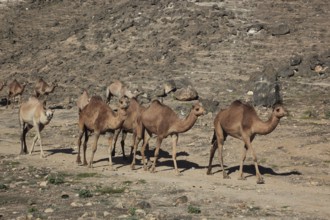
(118, 89)
(42, 88)
(32, 113)
(240, 121)
(99, 118)
(83, 100)
(15, 89)
(129, 126)
(162, 121)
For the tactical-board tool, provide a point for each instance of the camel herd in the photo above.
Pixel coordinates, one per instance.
(239, 120)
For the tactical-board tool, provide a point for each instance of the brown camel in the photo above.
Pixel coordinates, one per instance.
(162, 121)
(15, 89)
(240, 121)
(99, 118)
(32, 113)
(133, 111)
(42, 88)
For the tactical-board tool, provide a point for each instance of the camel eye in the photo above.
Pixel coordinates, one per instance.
(197, 109)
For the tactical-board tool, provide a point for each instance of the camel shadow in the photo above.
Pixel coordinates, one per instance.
(250, 169)
(61, 151)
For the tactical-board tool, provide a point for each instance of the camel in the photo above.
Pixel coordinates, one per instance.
(83, 100)
(240, 121)
(32, 113)
(133, 111)
(15, 89)
(162, 121)
(99, 118)
(42, 88)
(118, 89)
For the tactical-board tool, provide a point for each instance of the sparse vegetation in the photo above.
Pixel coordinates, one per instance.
(110, 190)
(86, 175)
(194, 210)
(3, 186)
(56, 179)
(85, 193)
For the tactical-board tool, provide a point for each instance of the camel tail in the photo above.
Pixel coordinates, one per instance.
(214, 138)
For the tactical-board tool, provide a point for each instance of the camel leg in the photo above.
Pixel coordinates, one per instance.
(138, 136)
(39, 129)
(85, 147)
(260, 180)
(143, 149)
(25, 128)
(122, 143)
(212, 151)
(241, 177)
(8, 97)
(220, 142)
(94, 148)
(159, 142)
(113, 153)
(110, 150)
(81, 133)
(175, 142)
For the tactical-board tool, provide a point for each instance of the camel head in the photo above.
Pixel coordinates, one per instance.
(197, 109)
(279, 111)
(123, 102)
(49, 114)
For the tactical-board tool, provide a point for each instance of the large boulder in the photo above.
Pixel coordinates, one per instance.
(186, 94)
(266, 89)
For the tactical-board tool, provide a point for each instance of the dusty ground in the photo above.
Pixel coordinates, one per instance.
(86, 44)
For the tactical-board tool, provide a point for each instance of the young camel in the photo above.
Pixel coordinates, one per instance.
(99, 118)
(162, 121)
(83, 100)
(240, 121)
(118, 89)
(15, 89)
(32, 113)
(42, 88)
(133, 111)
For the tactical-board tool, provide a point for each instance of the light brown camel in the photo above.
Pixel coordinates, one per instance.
(32, 113)
(162, 121)
(83, 100)
(133, 111)
(42, 88)
(118, 89)
(240, 121)
(15, 89)
(99, 118)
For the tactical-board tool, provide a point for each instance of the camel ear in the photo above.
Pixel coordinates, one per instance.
(44, 103)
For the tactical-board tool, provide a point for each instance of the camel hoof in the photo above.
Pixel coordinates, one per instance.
(226, 176)
(132, 166)
(260, 181)
(209, 172)
(241, 178)
(178, 174)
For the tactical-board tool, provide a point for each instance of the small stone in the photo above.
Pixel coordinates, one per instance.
(49, 210)
(249, 93)
(140, 212)
(43, 184)
(119, 205)
(88, 204)
(181, 200)
(75, 204)
(105, 213)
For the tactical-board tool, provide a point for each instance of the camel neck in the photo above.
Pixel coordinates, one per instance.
(184, 125)
(268, 126)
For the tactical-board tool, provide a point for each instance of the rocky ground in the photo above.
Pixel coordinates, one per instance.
(216, 47)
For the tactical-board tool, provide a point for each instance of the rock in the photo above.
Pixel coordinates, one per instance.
(140, 212)
(295, 60)
(210, 105)
(49, 210)
(186, 94)
(279, 29)
(255, 28)
(181, 200)
(43, 184)
(266, 90)
(169, 86)
(105, 213)
(143, 205)
(119, 205)
(286, 72)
